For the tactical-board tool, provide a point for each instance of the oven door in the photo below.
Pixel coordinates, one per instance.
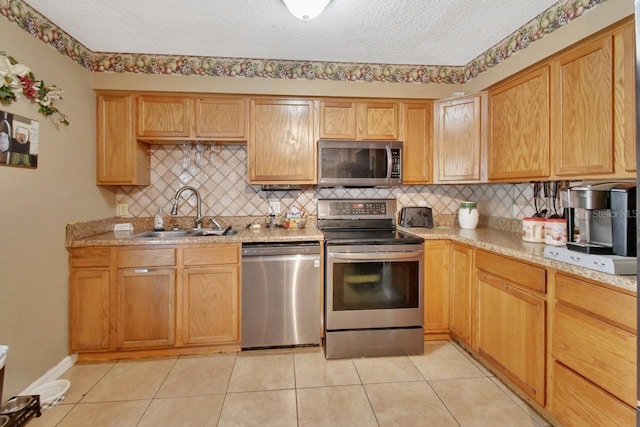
(374, 286)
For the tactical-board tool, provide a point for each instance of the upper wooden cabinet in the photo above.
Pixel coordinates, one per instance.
(359, 120)
(171, 118)
(164, 116)
(592, 108)
(520, 128)
(461, 139)
(120, 158)
(417, 143)
(221, 118)
(282, 142)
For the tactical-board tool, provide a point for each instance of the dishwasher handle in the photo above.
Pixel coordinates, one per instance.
(274, 249)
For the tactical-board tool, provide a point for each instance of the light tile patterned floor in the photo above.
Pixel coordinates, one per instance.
(444, 387)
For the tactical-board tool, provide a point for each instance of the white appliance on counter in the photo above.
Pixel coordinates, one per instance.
(611, 264)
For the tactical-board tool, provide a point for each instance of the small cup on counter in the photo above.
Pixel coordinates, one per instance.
(555, 231)
(533, 229)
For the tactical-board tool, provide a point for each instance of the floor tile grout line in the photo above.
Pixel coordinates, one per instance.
(157, 391)
(226, 392)
(444, 403)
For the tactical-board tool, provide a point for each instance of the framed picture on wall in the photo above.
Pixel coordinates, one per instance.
(18, 141)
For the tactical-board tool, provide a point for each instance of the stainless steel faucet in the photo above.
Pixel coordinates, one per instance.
(174, 210)
(215, 223)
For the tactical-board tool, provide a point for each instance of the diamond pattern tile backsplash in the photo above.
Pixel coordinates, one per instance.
(222, 183)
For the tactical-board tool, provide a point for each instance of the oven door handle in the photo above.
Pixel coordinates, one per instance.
(372, 256)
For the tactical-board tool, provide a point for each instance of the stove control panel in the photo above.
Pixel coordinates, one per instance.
(357, 209)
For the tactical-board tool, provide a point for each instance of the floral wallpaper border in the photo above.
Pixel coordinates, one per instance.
(545, 23)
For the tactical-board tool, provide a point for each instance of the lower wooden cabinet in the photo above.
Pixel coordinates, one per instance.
(89, 299)
(460, 310)
(436, 286)
(211, 295)
(127, 299)
(146, 307)
(578, 402)
(593, 349)
(89, 308)
(511, 328)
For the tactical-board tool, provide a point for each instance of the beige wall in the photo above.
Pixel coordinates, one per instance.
(35, 206)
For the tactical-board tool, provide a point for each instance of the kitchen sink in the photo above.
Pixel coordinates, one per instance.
(191, 232)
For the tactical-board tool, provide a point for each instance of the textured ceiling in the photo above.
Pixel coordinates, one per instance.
(419, 32)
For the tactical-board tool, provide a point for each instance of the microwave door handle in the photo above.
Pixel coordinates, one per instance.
(389, 163)
(369, 256)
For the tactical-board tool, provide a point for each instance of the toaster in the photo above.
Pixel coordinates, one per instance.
(416, 216)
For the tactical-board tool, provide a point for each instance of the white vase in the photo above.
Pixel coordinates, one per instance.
(468, 215)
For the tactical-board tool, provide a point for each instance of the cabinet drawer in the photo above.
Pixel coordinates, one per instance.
(517, 273)
(146, 257)
(612, 306)
(219, 254)
(600, 352)
(89, 257)
(577, 402)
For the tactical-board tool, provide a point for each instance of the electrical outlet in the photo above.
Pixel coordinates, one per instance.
(422, 203)
(274, 208)
(122, 209)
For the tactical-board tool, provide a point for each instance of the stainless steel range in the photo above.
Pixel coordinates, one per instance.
(373, 280)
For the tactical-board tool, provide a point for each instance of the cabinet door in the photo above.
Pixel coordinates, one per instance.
(577, 402)
(378, 120)
(89, 309)
(436, 286)
(519, 117)
(460, 296)
(221, 118)
(121, 160)
(211, 305)
(146, 307)
(417, 143)
(164, 116)
(582, 110)
(624, 107)
(281, 144)
(511, 333)
(460, 139)
(337, 120)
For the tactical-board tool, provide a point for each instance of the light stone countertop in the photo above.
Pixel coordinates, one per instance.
(503, 242)
(264, 234)
(511, 244)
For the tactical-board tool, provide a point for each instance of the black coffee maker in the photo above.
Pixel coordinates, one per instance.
(605, 215)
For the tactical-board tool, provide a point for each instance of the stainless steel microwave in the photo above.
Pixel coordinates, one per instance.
(359, 163)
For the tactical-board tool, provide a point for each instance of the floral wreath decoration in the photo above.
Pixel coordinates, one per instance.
(17, 79)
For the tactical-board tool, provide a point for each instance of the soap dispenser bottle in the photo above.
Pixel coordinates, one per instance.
(158, 222)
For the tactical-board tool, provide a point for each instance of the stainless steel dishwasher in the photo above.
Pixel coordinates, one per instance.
(280, 294)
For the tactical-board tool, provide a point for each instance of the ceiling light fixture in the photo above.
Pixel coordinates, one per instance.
(306, 9)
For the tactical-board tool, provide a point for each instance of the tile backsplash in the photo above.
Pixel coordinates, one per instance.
(222, 183)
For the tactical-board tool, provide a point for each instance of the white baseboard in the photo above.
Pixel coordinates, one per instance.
(53, 373)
